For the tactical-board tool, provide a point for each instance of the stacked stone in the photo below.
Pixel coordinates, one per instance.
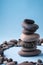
(29, 38)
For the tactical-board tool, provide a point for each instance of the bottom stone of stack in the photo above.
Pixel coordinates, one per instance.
(30, 53)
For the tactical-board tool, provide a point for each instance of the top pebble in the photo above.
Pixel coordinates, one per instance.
(29, 21)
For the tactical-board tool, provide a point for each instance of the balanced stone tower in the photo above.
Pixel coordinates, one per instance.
(29, 39)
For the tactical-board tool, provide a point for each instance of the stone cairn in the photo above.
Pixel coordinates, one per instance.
(29, 39)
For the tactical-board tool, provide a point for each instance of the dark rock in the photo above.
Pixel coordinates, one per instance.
(11, 63)
(30, 27)
(29, 21)
(14, 41)
(5, 42)
(10, 60)
(1, 51)
(27, 32)
(1, 59)
(39, 61)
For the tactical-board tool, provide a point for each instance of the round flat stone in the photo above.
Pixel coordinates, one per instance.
(27, 32)
(30, 38)
(30, 27)
(27, 54)
(29, 43)
(28, 49)
(28, 21)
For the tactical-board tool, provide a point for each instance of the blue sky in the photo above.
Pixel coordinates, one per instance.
(12, 14)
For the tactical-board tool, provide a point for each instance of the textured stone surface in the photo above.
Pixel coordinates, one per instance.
(30, 27)
(29, 38)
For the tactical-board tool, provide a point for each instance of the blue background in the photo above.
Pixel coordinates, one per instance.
(12, 14)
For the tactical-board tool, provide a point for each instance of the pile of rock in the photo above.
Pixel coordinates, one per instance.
(5, 45)
(6, 61)
(39, 62)
(29, 38)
